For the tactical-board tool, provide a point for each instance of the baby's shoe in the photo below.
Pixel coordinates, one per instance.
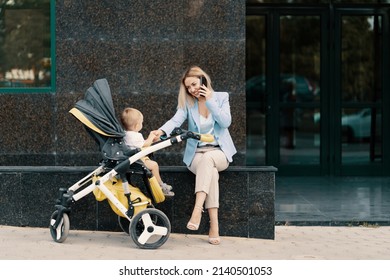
(165, 185)
(166, 190)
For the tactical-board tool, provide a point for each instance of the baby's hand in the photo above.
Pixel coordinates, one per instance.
(157, 134)
(152, 135)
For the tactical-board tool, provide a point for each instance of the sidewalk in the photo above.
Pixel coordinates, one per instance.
(291, 243)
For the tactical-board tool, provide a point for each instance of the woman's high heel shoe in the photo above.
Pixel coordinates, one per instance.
(214, 240)
(193, 226)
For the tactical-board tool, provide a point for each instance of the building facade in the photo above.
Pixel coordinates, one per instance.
(308, 80)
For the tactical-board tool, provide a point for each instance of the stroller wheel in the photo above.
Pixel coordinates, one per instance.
(59, 233)
(124, 223)
(150, 228)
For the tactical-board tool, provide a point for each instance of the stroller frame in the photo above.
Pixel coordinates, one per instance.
(150, 228)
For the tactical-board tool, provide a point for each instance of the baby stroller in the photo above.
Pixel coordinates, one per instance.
(148, 227)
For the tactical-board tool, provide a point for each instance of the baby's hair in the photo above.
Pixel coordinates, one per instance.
(130, 118)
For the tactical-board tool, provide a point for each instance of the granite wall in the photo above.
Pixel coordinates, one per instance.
(142, 48)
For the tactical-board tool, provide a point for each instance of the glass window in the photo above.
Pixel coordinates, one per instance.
(25, 44)
(255, 89)
(361, 58)
(299, 91)
(361, 84)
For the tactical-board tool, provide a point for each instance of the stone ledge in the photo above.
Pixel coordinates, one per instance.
(72, 169)
(247, 195)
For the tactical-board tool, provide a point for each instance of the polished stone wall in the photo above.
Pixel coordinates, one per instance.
(142, 48)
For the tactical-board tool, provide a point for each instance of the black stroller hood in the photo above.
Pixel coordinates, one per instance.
(98, 108)
(96, 112)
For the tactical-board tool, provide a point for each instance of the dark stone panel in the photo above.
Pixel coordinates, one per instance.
(79, 159)
(21, 159)
(38, 194)
(261, 215)
(233, 211)
(130, 68)
(120, 20)
(214, 20)
(261, 204)
(10, 202)
(27, 124)
(150, 20)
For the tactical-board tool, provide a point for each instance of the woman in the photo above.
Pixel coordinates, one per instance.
(207, 112)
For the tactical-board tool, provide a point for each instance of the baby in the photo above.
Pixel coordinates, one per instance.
(132, 120)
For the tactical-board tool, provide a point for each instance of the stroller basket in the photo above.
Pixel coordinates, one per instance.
(148, 227)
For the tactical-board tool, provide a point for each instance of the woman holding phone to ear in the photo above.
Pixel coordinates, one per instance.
(207, 112)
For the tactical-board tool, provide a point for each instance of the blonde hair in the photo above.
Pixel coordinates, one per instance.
(130, 118)
(184, 97)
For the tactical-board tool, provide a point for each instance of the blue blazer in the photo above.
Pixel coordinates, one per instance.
(219, 107)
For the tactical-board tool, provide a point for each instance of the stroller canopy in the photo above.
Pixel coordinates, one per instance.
(96, 110)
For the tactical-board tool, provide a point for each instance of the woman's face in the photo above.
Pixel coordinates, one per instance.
(192, 85)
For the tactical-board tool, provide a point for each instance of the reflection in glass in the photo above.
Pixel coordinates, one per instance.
(25, 44)
(361, 60)
(361, 132)
(255, 89)
(299, 92)
(299, 136)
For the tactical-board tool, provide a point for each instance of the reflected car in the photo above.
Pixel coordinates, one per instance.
(358, 126)
(256, 90)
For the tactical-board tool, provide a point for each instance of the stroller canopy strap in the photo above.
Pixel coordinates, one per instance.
(80, 116)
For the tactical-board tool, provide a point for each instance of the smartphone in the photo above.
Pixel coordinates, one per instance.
(203, 81)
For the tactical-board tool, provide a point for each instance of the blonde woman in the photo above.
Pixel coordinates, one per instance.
(207, 112)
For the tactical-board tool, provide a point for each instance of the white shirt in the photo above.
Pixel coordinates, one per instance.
(207, 127)
(134, 139)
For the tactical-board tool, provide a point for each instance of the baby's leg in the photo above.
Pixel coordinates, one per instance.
(153, 166)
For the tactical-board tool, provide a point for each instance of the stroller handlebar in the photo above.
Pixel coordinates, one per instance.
(185, 134)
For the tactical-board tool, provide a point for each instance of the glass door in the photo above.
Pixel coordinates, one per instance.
(298, 90)
(317, 84)
(284, 68)
(358, 103)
